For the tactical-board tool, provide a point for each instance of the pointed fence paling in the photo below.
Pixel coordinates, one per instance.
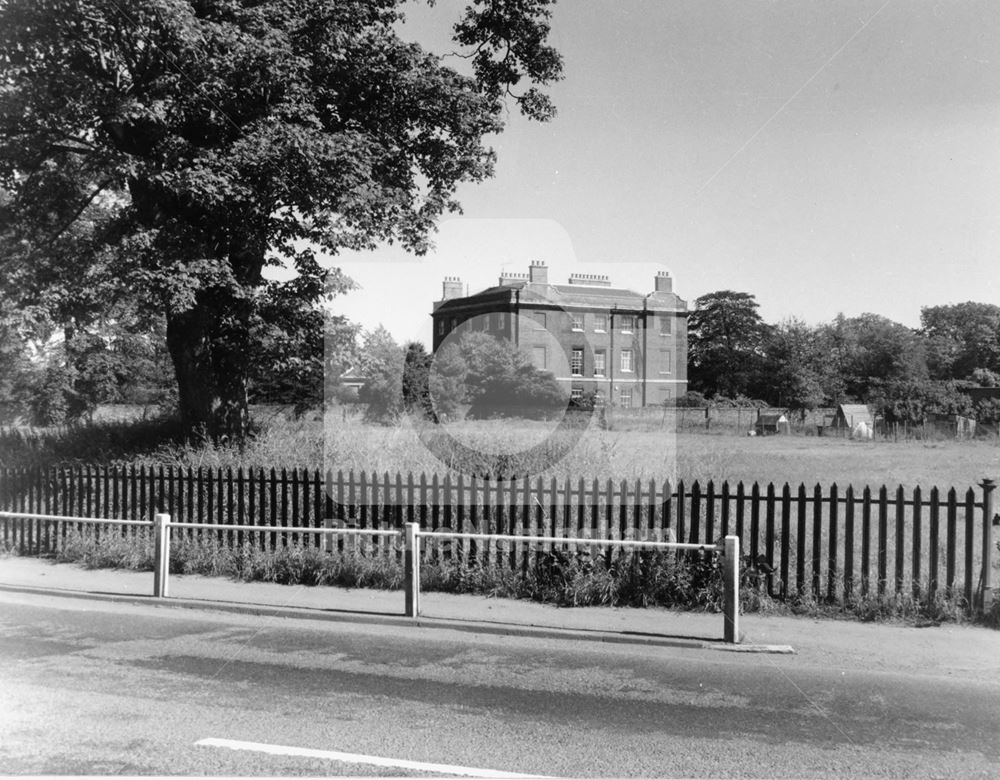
(827, 544)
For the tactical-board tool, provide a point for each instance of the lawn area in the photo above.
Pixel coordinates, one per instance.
(658, 453)
(811, 459)
(344, 441)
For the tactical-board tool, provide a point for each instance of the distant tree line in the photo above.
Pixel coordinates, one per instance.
(58, 371)
(734, 356)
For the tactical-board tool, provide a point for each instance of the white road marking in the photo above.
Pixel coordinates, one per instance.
(358, 758)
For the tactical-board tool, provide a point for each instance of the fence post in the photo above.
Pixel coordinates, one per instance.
(161, 555)
(731, 589)
(986, 592)
(411, 568)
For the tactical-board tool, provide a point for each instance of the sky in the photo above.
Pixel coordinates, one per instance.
(825, 157)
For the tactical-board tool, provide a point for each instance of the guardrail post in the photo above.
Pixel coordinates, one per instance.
(328, 538)
(161, 555)
(731, 589)
(986, 594)
(411, 568)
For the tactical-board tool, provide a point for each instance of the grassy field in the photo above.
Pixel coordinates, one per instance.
(689, 456)
(344, 441)
(810, 459)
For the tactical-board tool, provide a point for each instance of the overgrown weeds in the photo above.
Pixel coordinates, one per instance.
(640, 579)
(161, 441)
(103, 443)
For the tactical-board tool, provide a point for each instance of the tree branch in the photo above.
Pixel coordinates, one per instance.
(76, 215)
(71, 149)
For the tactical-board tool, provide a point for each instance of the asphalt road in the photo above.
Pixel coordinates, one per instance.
(89, 687)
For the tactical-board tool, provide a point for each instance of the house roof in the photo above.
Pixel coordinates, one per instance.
(568, 296)
(855, 413)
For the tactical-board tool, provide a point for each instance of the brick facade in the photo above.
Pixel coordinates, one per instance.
(629, 347)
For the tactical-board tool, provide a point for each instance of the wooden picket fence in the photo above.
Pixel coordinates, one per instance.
(830, 544)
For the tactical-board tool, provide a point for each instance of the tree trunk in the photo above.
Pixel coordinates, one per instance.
(209, 345)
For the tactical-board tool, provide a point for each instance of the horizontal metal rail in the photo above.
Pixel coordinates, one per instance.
(411, 535)
(570, 540)
(69, 519)
(270, 529)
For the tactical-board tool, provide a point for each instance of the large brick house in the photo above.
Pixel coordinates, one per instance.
(629, 347)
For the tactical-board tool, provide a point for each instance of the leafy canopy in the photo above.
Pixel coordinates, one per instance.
(494, 378)
(727, 339)
(168, 151)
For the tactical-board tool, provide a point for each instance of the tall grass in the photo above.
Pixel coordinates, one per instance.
(641, 579)
(282, 443)
(344, 440)
(504, 449)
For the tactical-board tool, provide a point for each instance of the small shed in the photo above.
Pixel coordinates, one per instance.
(849, 416)
(771, 423)
(822, 427)
(953, 425)
(348, 385)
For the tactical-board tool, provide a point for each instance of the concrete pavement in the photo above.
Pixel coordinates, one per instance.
(962, 651)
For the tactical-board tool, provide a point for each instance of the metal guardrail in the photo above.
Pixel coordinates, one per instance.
(411, 534)
(70, 519)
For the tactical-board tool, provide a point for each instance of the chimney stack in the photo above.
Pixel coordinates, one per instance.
(507, 278)
(538, 273)
(591, 280)
(663, 282)
(451, 288)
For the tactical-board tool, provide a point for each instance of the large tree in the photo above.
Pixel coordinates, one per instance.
(962, 338)
(798, 366)
(204, 140)
(495, 378)
(727, 342)
(381, 363)
(870, 349)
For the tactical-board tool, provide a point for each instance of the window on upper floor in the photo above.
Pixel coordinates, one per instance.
(627, 363)
(576, 361)
(666, 361)
(627, 322)
(538, 357)
(599, 362)
(600, 323)
(666, 324)
(576, 320)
